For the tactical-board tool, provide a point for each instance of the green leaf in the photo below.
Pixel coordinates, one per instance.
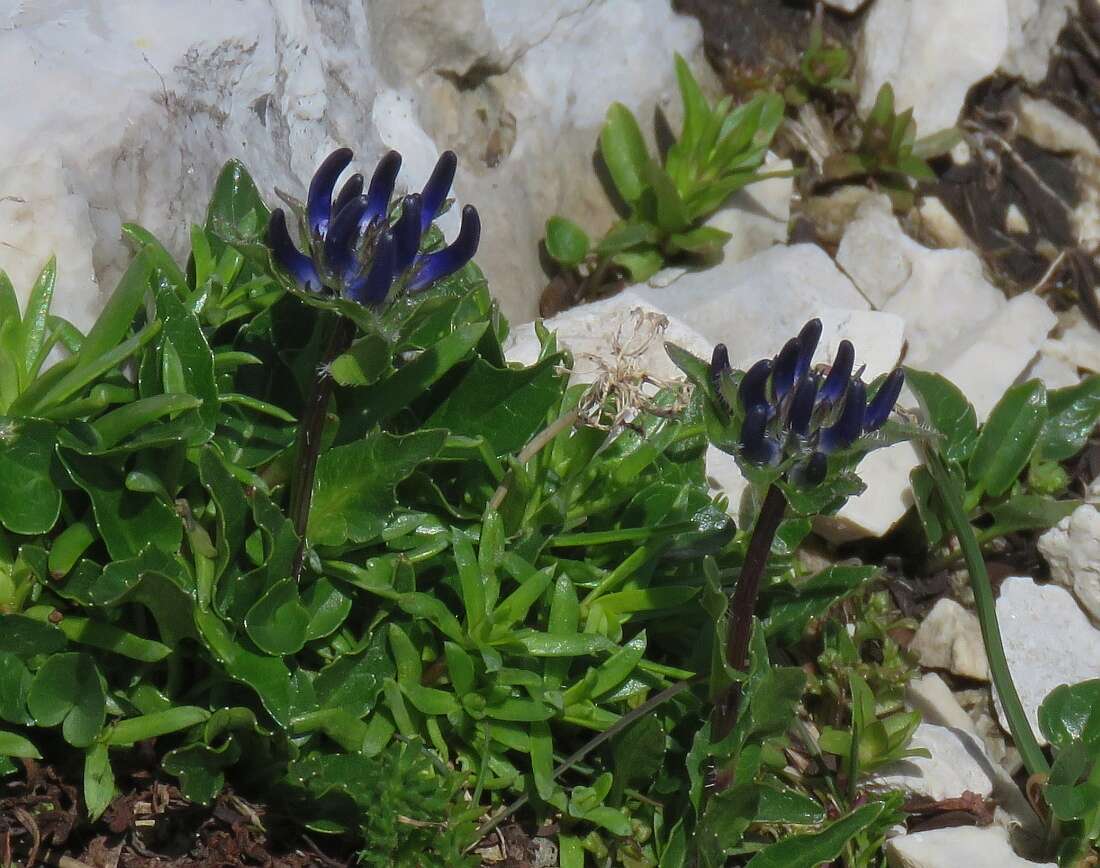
(27, 637)
(182, 331)
(353, 493)
(353, 682)
(947, 410)
(551, 645)
(506, 406)
(566, 242)
(68, 690)
(696, 108)
(328, 608)
(127, 520)
(641, 265)
(201, 768)
(624, 152)
(1005, 445)
(118, 314)
(1072, 713)
(1074, 412)
(790, 609)
(671, 212)
(266, 675)
(278, 622)
(30, 501)
(236, 210)
(809, 851)
(788, 807)
(13, 744)
(36, 326)
(638, 754)
(154, 725)
(108, 637)
(702, 239)
(99, 781)
(1030, 512)
(364, 363)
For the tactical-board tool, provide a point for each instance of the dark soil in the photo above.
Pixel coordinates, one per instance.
(151, 825)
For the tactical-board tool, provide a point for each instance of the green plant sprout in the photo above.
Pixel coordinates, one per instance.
(889, 152)
(720, 150)
(822, 68)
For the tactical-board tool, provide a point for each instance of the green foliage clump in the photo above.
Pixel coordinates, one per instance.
(667, 201)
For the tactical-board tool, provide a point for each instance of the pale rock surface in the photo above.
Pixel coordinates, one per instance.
(1053, 370)
(930, 695)
(971, 846)
(1047, 125)
(950, 638)
(1072, 548)
(984, 364)
(1033, 29)
(1048, 641)
(756, 305)
(756, 216)
(130, 108)
(846, 5)
(931, 51)
(1076, 342)
(937, 223)
(958, 764)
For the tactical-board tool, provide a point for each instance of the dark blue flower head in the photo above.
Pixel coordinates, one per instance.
(790, 410)
(361, 248)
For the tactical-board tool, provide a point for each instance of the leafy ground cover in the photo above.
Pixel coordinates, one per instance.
(497, 601)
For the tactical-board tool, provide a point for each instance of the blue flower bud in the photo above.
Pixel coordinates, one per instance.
(849, 425)
(802, 406)
(288, 256)
(807, 345)
(406, 233)
(878, 410)
(837, 380)
(786, 366)
(319, 198)
(353, 187)
(339, 244)
(451, 258)
(811, 472)
(435, 191)
(753, 391)
(756, 445)
(381, 188)
(373, 287)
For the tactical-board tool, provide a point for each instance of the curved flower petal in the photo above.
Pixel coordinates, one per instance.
(802, 406)
(878, 410)
(837, 380)
(849, 425)
(753, 390)
(373, 287)
(288, 256)
(807, 345)
(786, 366)
(435, 191)
(319, 198)
(381, 187)
(406, 232)
(434, 266)
(353, 187)
(756, 446)
(341, 236)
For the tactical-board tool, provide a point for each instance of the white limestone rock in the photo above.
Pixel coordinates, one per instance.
(958, 765)
(950, 638)
(1047, 125)
(1075, 343)
(756, 216)
(1048, 641)
(937, 223)
(931, 52)
(983, 367)
(1033, 28)
(1072, 549)
(756, 305)
(846, 5)
(133, 107)
(931, 696)
(1053, 370)
(972, 846)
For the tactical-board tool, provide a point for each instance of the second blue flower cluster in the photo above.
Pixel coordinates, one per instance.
(793, 411)
(355, 250)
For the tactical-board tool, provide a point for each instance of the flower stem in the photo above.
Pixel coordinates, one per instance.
(950, 496)
(310, 429)
(743, 604)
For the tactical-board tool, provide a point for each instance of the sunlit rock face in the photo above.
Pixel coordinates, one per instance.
(125, 110)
